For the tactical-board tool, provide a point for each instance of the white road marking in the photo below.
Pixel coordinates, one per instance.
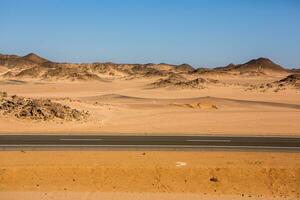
(78, 139)
(208, 140)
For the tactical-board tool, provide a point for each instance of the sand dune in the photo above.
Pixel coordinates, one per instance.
(120, 114)
(153, 98)
(117, 98)
(40, 96)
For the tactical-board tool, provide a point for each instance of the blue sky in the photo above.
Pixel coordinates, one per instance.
(203, 33)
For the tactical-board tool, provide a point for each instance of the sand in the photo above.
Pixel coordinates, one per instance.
(133, 99)
(149, 174)
(131, 107)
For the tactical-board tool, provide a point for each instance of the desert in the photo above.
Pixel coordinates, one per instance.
(150, 100)
(148, 174)
(42, 97)
(257, 97)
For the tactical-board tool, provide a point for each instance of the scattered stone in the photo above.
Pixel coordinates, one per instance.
(291, 81)
(214, 179)
(269, 85)
(3, 94)
(38, 109)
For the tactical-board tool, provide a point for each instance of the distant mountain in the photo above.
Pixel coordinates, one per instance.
(258, 66)
(35, 58)
(34, 66)
(12, 61)
(184, 68)
(4, 56)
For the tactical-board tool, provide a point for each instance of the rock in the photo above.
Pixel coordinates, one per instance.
(214, 179)
(39, 109)
(3, 94)
(269, 85)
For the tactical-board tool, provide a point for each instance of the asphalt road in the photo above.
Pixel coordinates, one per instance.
(98, 141)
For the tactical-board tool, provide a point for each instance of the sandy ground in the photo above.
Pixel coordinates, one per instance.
(148, 175)
(130, 106)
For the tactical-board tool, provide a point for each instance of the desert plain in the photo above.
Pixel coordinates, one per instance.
(38, 96)
(257, 97)
(149, 175)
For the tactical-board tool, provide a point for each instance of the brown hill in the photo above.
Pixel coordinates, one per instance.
(69, 73)
(178, 81)
(210, 72)
(147, 71)
(258, 66)
(56, 72)
(171, 80)
(34, 66)
(13, 61)
(35, 58)
(198, 83)
(5, 56)
(161, 69)
(184, 68)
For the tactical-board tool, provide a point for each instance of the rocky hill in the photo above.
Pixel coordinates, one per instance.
(178, 81)
(256, 66)
(35, 58)
(184, 68)
(35, 67)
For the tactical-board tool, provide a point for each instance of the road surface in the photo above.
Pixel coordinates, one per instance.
(99, 141)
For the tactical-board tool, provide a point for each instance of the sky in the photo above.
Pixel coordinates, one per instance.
(203, 33)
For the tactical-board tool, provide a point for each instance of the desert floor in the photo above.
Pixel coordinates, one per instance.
(149, 174)
(132, 107)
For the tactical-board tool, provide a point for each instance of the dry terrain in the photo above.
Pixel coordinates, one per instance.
(258, 97)
(149, 175)
(37, 95)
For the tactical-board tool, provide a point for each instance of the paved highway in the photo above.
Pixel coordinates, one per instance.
(104, 141)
